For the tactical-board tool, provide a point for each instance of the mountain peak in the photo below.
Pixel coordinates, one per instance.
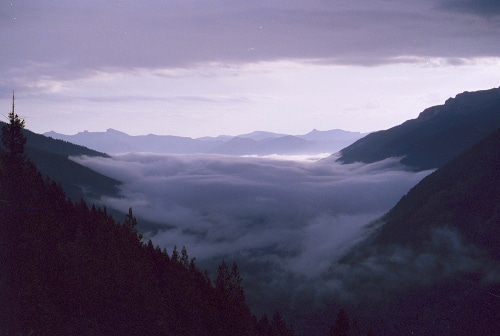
(113, 131)
(259, 142)
(462, 104)
(437, 135)
(260, 135)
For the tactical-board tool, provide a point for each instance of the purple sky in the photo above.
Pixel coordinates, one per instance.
(212, 67)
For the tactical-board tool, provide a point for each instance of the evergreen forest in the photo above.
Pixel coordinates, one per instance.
(68, 268)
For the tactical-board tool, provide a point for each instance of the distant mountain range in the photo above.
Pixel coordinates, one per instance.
(429, 141)
(255, 143)
(436, 136)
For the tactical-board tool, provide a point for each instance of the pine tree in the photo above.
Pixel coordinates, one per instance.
(12, 137)
(184, 257)
(234, 315)
(175, 255)
(130, 220)
(341, 326)
(278, 325)
(264, 327)
(14, 161)
(355, 329)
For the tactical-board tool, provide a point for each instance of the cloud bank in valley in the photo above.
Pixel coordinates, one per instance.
(380, 272)
(288, 224)
(221, 206)
(296, 216)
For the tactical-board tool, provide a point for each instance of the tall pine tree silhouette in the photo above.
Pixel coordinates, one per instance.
(341, 326)
(12, 137)
(14, 161)
(12, 167)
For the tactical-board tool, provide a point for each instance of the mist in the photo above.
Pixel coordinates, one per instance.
(285, 222)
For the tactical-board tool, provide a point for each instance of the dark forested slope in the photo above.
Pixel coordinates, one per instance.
(51, 159)
(436, 136)
(436, 258)
(70, 269)
(464, 194)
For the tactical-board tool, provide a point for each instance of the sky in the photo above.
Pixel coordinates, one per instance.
(198, 68)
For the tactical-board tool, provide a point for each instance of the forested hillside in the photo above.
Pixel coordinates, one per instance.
(51, 158)
(438, 251)
(71, 269)
(463, 194)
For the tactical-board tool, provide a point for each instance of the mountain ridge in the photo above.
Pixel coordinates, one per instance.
(254, 143)
(51, 156)
(434, 258)
(462, 194)
(437, 135)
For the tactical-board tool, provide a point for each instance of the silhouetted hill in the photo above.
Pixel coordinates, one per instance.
(435, 260)
(54, 146)
(67, 269)
(77, 181)
(51, 158)
(255, 143)
(437, 135)
(464, 195)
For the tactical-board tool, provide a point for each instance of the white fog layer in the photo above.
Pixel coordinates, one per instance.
(276, 218)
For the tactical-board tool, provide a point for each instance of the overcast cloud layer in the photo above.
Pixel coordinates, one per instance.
(92, 35)
(200, 68)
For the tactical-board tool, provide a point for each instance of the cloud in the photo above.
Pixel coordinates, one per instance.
(486, 8)
(246, 189)
(73, 38)
(381, 272)
(350, 65)
(293, 219)
(299, 230)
